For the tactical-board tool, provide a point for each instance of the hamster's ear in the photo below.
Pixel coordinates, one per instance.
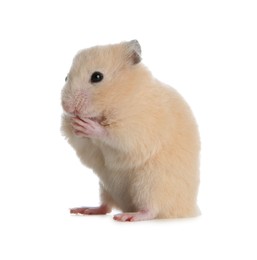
(134, 51)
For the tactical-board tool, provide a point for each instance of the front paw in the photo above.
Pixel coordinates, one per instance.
(87, 127)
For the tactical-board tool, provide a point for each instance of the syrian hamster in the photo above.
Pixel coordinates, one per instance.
(137, 134)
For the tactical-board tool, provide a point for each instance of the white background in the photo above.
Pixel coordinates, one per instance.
(207, 50)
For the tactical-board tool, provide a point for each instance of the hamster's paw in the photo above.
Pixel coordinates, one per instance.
(134, 216)
(102, 210)
(87, 127)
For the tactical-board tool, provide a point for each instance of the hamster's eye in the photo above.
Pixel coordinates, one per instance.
(66, 78)
(96, 77)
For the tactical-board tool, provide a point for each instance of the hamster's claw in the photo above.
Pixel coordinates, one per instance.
(87, 128)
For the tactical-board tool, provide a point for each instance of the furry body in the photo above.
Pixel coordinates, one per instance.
(146, 153)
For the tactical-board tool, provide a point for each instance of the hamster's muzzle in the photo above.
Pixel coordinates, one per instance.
(75, 104)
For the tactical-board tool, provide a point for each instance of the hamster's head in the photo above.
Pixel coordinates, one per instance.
(98, 78)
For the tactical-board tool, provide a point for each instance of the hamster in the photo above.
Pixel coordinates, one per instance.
(137, 134)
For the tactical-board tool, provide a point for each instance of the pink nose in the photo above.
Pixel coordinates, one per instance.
(75, 103)
(68, 107)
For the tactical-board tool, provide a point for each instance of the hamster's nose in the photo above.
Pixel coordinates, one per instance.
(75, 103)
(67, 107)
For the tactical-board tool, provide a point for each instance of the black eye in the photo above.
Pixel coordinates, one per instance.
(66, 78)
(96, 77)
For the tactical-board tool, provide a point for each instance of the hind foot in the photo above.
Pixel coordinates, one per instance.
(135, 216)
(102, 210)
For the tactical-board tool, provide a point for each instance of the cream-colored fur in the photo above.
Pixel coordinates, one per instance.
(150, 159)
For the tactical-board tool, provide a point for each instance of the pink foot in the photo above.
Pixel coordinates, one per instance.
(135, 216)
(102, 210)
(87, 127)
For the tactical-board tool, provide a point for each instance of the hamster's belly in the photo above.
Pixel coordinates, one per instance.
(117, 176)
(118, 185)
(116, 180)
